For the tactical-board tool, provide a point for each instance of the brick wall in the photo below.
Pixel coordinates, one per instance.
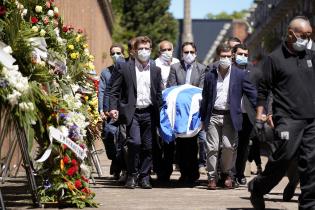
(88, 15)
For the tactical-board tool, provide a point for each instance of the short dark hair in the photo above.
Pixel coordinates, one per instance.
(242, 46)
(142, 40)
(234, 39)
(189, 43)
(117, 45)
(223, 48)
(131, 43)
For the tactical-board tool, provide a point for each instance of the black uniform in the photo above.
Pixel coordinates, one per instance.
(291, 78)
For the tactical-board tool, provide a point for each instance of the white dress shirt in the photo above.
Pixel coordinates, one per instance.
(188, 72)
(143, 85)
(221, 101)
(165, 68)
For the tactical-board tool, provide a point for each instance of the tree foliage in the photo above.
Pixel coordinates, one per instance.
(225, 15)
(144, 17)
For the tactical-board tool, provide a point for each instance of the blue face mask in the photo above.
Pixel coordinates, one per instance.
(241, 60)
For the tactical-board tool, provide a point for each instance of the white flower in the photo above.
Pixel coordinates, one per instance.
(56, 10)
(73, 103)
(42, 32)
(38, 9)
(7, 49)
(30, 106)
(64, 130)
(19, 5)
(23, 106)
(60, 40)
(35, 28)
(75, 87)
(86, 52)
(14, 97)
(24, 12)
(50, 13)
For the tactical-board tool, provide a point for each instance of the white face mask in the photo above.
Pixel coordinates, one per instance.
(241, 60)
(144, 55)
(300, 44)
(116, 58)
(167, 56)
(189, 58)
(225, 62)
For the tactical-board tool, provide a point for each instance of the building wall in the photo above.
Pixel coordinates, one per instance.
(89, 16)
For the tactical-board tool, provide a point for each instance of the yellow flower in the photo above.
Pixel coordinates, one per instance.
(78, 38)
(85, 45)
(70, 46)
(86, 98)
(62, 164)
(73, 56)
(91, 66)
(91, 58)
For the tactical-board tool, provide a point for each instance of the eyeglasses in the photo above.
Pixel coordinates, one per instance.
(226, 56)
(191, 52)
(243, 54)
(115, 53)
(166, 49)
(144, 48)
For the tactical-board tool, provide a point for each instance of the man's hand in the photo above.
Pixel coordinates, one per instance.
(270, 121)
(102, 115)
(114, 114)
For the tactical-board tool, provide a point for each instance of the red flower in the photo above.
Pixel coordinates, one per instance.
(3, 11)
(85, 179)
(66, 159)
(78, 184)
(34, 20)
(71, 171)
(65, 29)
(74, 162)
(64, 147)
(86, 190)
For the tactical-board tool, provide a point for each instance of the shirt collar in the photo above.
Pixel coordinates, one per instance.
(140, 66)
(226, 73)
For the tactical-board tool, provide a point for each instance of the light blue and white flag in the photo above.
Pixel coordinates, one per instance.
(180, 116)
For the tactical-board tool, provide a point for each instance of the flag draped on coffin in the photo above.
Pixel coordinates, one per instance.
(179, 116)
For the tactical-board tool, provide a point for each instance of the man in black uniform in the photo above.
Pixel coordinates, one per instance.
(289, 73)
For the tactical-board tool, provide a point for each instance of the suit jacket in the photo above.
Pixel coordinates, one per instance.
(239, 85)
(177, 74)
(123, 93)
(103, 88)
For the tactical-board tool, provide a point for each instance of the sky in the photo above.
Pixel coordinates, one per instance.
(199, 8)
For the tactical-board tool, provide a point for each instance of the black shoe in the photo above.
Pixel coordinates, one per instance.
(256, 199)
(131, 182)
(145, 184)
(288, 192)
(241, 181)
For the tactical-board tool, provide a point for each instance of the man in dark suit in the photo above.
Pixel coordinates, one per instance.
(188, 71)
(221, 113)
(135, 99)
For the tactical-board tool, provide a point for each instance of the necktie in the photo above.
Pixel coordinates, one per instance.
(188, 73)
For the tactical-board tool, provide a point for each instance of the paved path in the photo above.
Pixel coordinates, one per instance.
(111, 195)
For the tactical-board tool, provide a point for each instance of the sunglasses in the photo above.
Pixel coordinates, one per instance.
(115, 53)
(191, 52)
(166, 49)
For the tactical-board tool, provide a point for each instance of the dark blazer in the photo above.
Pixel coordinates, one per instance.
(177, 74)
(123, 93)
(239, 85)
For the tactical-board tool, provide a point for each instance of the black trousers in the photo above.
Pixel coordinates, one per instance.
(293, 138)
(187, 156)
(139, 143)
(242, 148)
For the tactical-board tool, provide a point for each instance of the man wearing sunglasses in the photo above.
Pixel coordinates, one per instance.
(188, 71)
(116, 52)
